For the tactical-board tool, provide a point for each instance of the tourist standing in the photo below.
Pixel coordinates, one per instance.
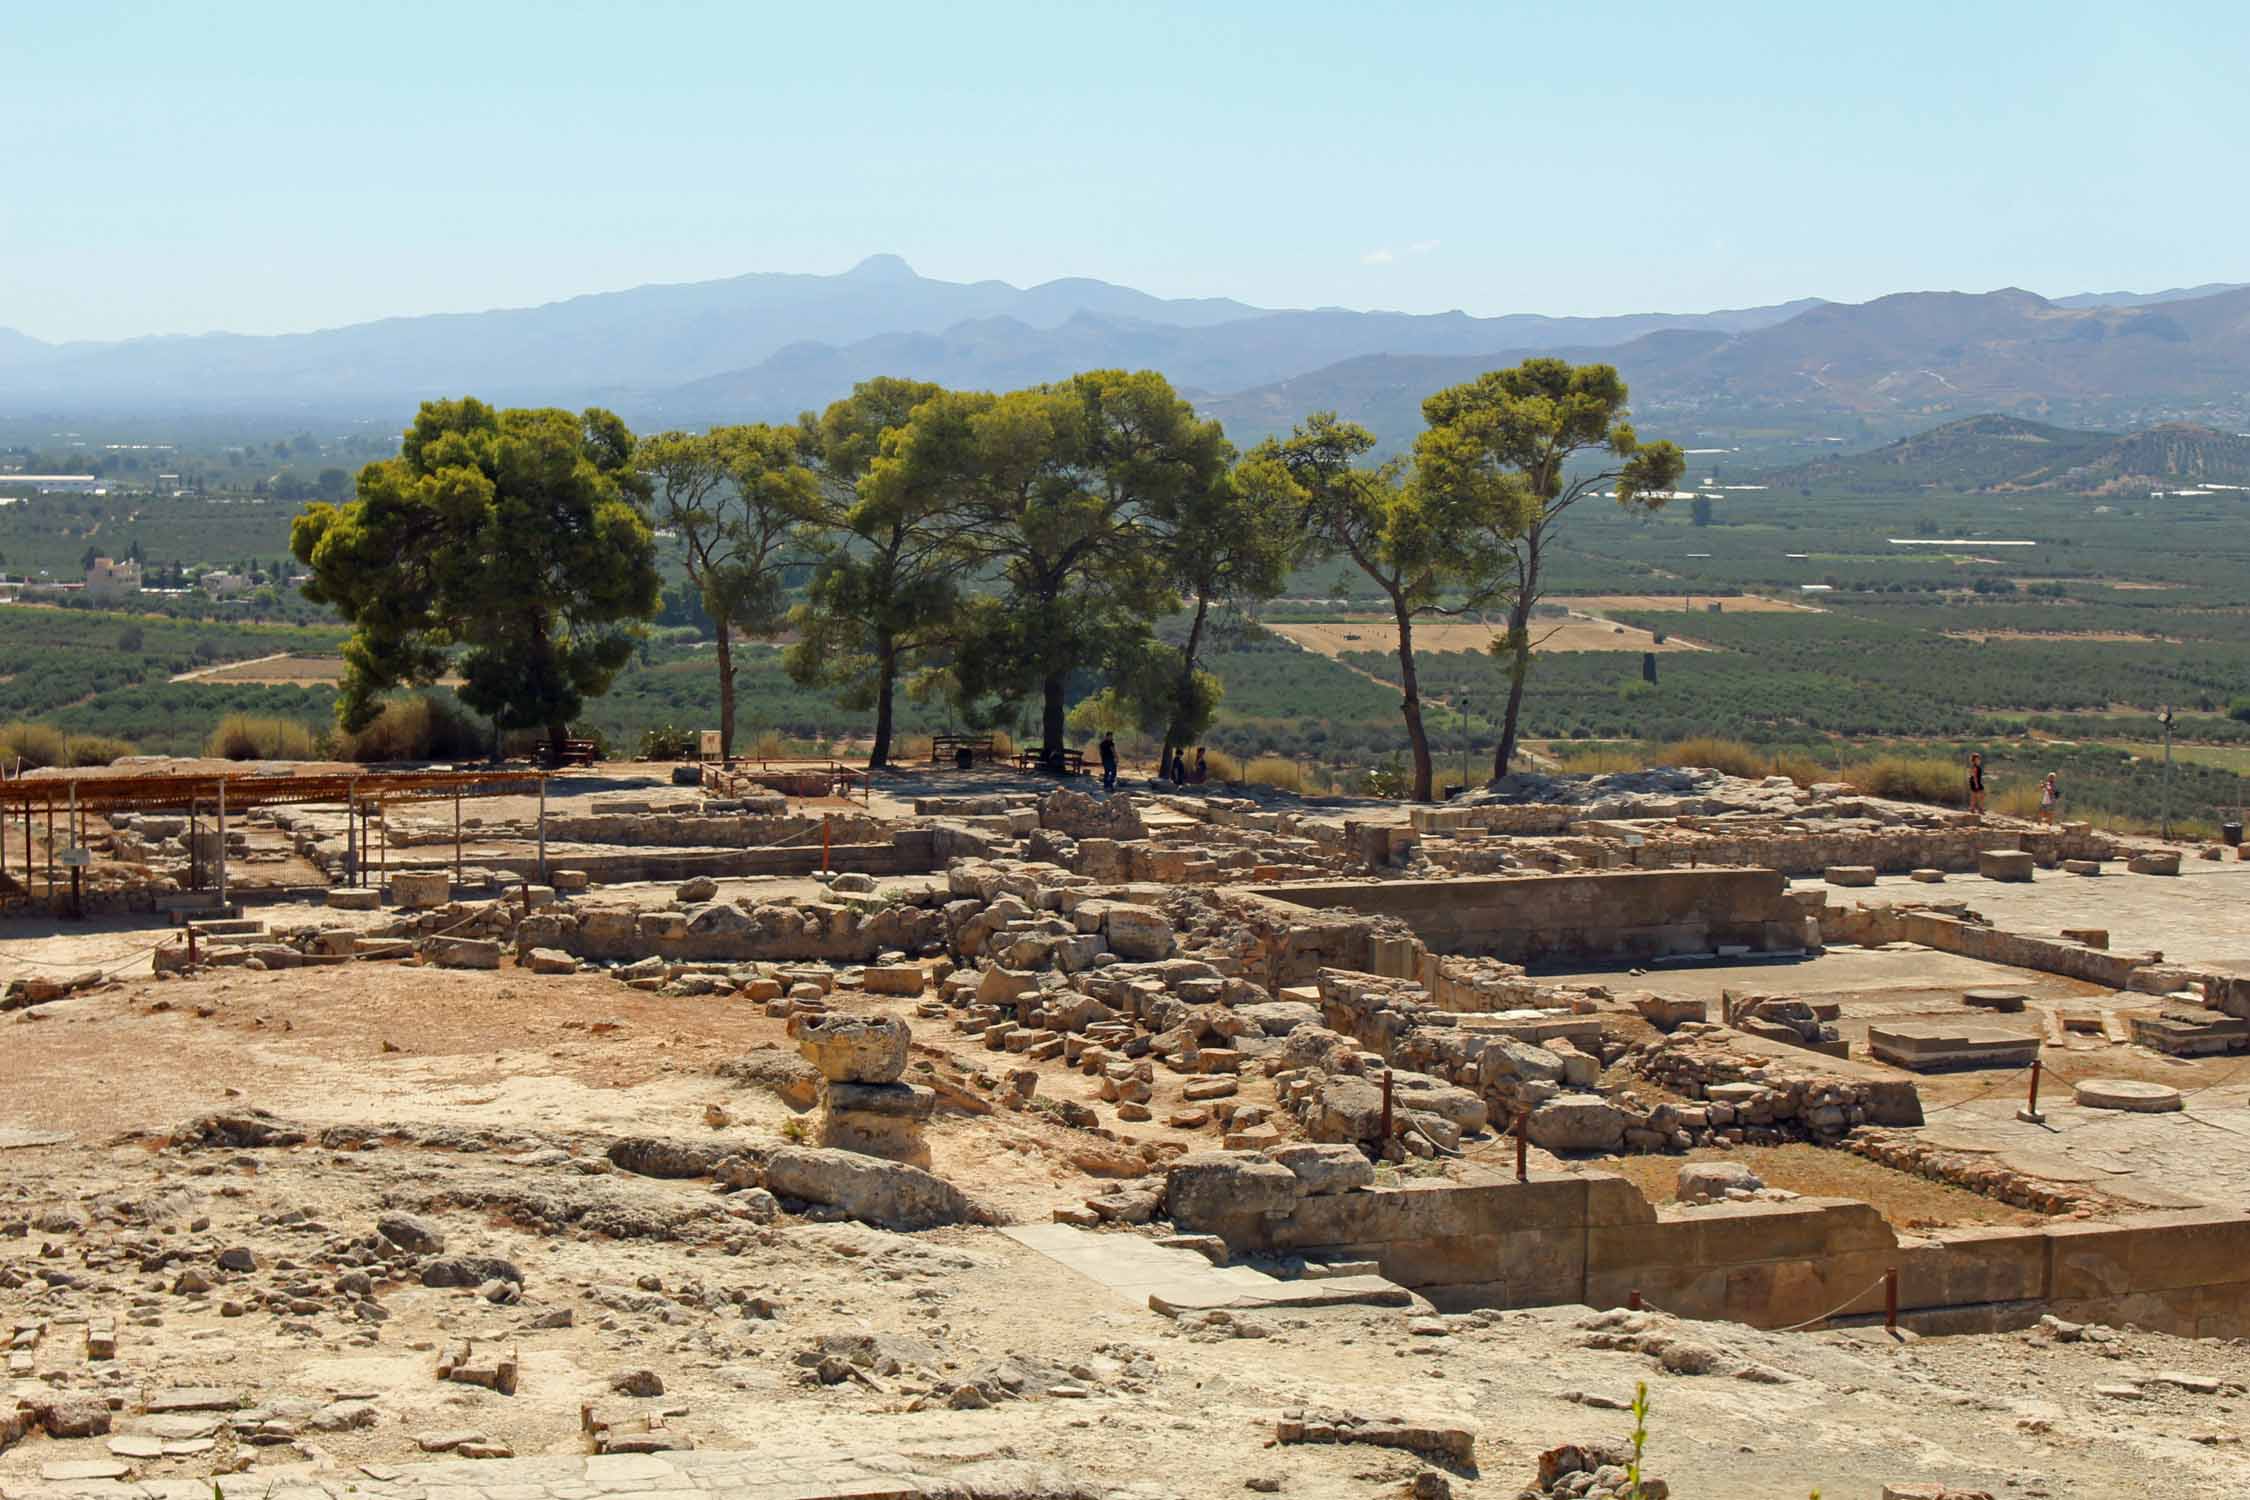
(1109, 761)
(1976, 783)
(2050, 799)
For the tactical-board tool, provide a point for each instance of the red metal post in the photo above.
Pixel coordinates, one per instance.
(1633, 1299)
(2035, 1086)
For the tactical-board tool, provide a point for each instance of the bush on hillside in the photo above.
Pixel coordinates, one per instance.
(420, 728)
(261, 737)
(1911, 778)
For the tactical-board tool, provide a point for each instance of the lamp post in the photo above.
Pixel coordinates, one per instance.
(2167, 721)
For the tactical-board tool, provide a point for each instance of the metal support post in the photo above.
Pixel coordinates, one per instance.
(542, 838)
(2029, 1114)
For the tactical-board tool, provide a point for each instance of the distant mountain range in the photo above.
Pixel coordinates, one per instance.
(1992, 453)
(770, 345)
(1913, 355)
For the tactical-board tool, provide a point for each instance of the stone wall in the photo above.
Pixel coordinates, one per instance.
(1591, 1238)
(802, 930)
(1612, 916)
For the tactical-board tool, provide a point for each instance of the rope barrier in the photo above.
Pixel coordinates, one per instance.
(1839, 1307)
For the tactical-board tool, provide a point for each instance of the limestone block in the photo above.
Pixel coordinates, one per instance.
(348, 898)
(1207, 1189)
(550, 961)
(1711, 1181)
(462, 953)
(892, 979)
(2082, 867)
(569, 880)
(1326, 1169)
(2005, 864)
(1578, 1122)
(2155, 862)
(891, 1194)
(1138, 934)
(854, 1049)
(419, 890)
(1850, 875)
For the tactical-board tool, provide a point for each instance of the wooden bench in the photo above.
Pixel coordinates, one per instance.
(945, 748)
(578, 753)
(1073, 761)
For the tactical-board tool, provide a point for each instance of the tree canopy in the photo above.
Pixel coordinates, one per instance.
(1512, 445)
(509, 546)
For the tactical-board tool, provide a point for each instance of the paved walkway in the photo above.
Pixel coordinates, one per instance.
(1172, 1281)
(2194, 917)
(819, 1475)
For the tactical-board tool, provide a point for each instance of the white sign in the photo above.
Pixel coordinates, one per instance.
(708, 743)
(76, 858)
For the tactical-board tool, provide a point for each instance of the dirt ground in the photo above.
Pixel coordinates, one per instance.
(1908, 1202)
(482, 1104)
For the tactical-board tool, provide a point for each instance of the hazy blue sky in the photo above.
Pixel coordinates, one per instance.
(263, 167)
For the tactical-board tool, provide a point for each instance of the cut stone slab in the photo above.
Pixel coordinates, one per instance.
(2005, 864)
(1927, 1046)
(137, 1445)
(2009, 1001)
(192, 1398)
(2155, 862)
(1850, 875)
(348, 898)
(1175, 1281)
(2082, 867)
(79, 1470)
(1927, 877)
(2189, 1031)
(2127, 1094)
(2091, 937)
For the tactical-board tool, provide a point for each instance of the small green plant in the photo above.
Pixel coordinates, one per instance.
(1640, 1440)
(667, 742)
(793, 1130)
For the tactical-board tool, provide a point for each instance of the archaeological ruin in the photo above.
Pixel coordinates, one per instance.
(969, 1133)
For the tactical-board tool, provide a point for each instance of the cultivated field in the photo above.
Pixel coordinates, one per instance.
(1339, 637)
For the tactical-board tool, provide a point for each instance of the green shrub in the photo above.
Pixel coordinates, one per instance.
(261, 737)
(667, 742)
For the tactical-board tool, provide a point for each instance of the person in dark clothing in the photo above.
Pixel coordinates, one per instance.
(1976, 783)
(1202, 771)
(1178, 769)
(1109, 762)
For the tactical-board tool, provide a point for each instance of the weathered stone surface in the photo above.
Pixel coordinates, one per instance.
(1139, 934)
(655, 1156)
(2005, 864)
(1711, 1181)
(697, 891)
(888, 1193)
(411, 1233)
(796, 1082)
(1578, 1122)
(419, 890)
(1850, 875)
(1326, 1169)
(550, 961)
(854, 1049)
(1207, 1189)
(462, 953)
(2126, 1094)
(2155, 862)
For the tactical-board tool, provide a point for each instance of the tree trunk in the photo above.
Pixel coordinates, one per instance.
(557, 735)
(1411, 705)
(1175, 733)
(886, 677)
(1052, 725)
(725, 638)
(1519, 659)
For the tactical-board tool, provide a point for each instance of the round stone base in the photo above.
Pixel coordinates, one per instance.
(2126, 1093)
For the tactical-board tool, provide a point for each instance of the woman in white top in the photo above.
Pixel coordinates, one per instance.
(2050, 799)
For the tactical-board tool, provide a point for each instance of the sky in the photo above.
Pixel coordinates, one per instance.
(264, 168)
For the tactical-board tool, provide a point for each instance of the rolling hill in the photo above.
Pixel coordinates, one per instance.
(767, 344)
(1993, 453)
(1913, 355)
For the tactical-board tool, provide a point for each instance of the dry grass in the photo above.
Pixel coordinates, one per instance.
(1606, 761)
(261, 737)
(415, 729)
(34, 746)
(1907, 1201)
(1917, 778)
